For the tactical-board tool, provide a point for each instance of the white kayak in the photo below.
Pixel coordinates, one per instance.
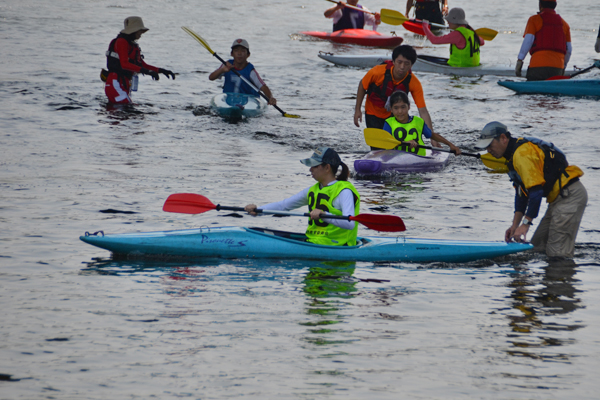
(438, 65)
(238, 105)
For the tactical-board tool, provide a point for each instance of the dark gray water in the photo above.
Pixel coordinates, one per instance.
(76, 324)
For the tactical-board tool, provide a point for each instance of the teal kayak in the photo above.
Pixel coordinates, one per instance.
(248, 243)
(238, 105)
(566, 87)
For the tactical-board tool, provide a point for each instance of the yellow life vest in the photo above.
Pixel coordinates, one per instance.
(469, 56)
(412, 130)
(320, 232)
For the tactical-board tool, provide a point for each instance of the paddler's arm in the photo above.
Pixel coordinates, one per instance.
(216, 74)
(409, 5)
(265, 89)
(330, 11)
(423, 113)
(442, 139)
(360, 96)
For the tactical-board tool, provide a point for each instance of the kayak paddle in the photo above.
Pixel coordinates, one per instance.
(392, 17)
(595, 65)
(383, 140)
(207, 47)
(191, 203)
(352, 7)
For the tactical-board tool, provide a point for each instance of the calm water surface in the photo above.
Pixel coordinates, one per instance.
(76, 324)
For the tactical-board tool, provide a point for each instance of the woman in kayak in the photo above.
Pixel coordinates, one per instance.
(463, 40)
(240, 51)
(410, 130)
(331, 195)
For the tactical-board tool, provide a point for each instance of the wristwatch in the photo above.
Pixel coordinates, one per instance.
(527, 222)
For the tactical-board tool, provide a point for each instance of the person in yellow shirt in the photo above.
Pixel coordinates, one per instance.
(539, 169)
(548, 38)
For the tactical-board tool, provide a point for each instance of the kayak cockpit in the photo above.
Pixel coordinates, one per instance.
(300, 237)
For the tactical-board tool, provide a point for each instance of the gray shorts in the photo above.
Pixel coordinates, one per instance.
(558, 229)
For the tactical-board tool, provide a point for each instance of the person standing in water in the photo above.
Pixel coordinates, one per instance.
(124, 61)
(548, 39)
(428, 10)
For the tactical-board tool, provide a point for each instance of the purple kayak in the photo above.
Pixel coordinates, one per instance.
(381, 161)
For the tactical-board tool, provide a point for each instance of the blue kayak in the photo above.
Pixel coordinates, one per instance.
(248, 243)
(567, 87)
(238, 105)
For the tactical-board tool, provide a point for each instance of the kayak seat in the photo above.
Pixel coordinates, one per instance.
(434, 59)
(288, 235)
(236, 100)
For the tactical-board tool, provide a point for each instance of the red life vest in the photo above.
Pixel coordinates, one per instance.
(551, 36)
(113, 64)
(378, 95)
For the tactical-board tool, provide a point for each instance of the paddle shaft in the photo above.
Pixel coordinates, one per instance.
(352, 7)
(211, 51)
(248, 82)
(284, 213)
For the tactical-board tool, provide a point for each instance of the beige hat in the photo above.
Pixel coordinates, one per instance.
(456, 16)
(133, 24)
(241, 42)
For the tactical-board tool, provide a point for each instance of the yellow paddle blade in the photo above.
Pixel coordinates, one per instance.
(291, 115)
(392, 17)
(198, 38)
(380, 139)
(486, 33)
(497, 164)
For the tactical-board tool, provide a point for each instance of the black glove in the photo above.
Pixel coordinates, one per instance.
(166, 73)
(153, 74)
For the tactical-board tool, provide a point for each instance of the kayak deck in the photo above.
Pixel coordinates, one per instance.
(566, 87)
(251, 243)
(425, 63)
(238, 105)
(361, 37)
(395, 161)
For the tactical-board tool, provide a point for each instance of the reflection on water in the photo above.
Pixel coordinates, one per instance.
(326, 285)
(542, 300)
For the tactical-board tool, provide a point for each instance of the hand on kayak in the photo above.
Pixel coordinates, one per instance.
(519, 235)
(250, 209)
(518, 67)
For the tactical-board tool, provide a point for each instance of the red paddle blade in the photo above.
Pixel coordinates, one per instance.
(188, 203)
(381, 223)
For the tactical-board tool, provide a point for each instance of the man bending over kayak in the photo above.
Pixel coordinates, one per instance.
(463, 40)
(240, 51)
(348, 18)
(330, 195)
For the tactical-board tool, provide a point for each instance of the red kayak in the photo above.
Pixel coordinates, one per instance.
(362, 37)
(414, 27)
